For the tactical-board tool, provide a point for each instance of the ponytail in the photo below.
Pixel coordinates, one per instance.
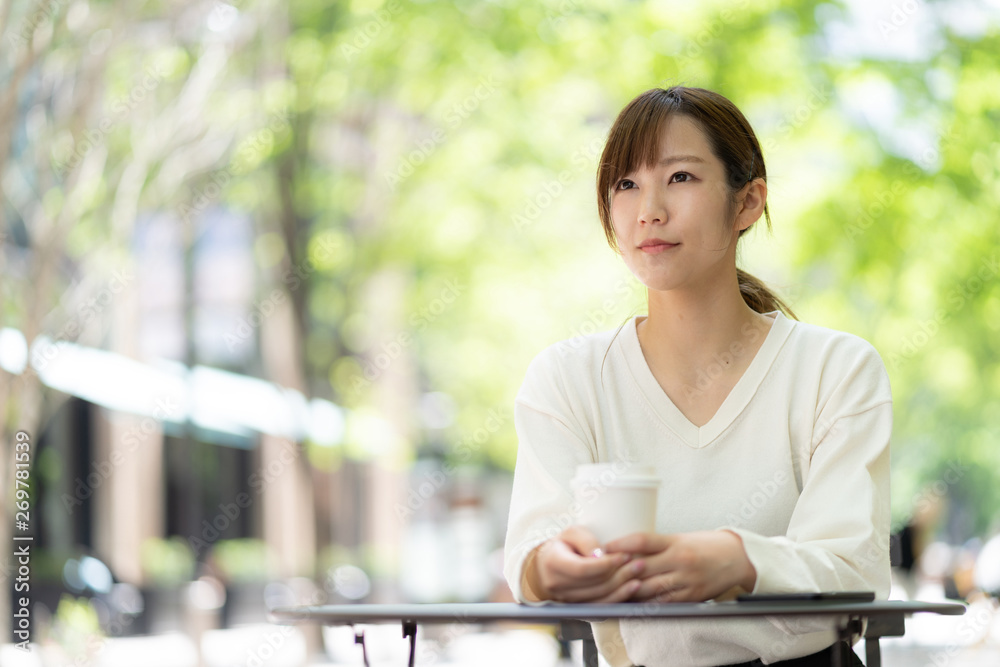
(756, 295)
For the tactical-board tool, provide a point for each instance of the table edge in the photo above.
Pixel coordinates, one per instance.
(446, 613)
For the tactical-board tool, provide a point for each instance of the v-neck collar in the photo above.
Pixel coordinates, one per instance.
(736, 401)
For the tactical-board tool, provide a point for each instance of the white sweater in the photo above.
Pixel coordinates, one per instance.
(795, 461)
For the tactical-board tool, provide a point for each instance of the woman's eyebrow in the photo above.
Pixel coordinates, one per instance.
(679, 158)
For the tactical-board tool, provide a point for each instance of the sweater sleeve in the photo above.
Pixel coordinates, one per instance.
(838, 534)
(551, 443)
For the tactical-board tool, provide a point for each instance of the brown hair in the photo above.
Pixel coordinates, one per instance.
(634, 140)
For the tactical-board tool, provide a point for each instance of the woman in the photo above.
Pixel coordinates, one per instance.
(770, 436)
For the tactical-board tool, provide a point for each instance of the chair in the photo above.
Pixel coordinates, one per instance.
(878, 626)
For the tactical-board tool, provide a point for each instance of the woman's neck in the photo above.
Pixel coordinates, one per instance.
(687, 331)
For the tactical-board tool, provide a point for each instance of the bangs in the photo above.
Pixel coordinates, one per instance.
(634, 139)
(633, 142)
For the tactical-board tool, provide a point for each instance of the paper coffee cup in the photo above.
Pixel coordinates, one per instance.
(615, 499)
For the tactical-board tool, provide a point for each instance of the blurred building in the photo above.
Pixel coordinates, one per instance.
(170, 430)
(176, 439)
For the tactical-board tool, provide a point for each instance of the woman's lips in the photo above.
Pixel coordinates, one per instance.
(658, 248)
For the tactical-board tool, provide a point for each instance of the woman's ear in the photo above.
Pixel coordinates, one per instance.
(752, 205)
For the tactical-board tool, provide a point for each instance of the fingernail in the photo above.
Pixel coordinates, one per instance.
(637, 566)
(634, 586)
(626, 558)
(597, 553)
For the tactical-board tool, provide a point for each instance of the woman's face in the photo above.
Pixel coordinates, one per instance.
(673, 221)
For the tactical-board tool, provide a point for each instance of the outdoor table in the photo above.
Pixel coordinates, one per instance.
(885, 617)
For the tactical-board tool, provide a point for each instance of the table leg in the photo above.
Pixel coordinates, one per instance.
(589, 652)
(873, 655)
(410, 630)
(359, 638)
(844, 632)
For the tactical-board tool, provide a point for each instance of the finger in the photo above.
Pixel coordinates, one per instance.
(639, 543)
(684, 594)
(586, 571)
(575, 590)
(611, 587)
(587, 561)
(620, 594)
(581, 539)
(661, 586)
(560, 566)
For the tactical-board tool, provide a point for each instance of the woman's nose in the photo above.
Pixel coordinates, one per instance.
(651, 208)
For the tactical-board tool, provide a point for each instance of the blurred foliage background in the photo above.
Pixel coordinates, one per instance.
(420, 180)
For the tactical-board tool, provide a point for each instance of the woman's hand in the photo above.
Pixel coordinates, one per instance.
(687, 567)
(568, 569)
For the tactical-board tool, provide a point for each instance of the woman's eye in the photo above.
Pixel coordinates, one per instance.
(680, 177)
(625, 184)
